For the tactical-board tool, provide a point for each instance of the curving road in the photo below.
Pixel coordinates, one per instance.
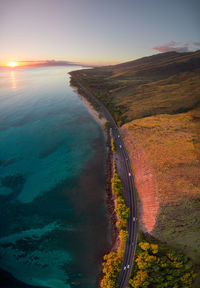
(126, 176)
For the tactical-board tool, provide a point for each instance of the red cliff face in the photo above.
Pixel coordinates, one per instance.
(145, 184)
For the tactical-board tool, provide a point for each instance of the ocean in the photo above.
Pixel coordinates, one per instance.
(54, 224)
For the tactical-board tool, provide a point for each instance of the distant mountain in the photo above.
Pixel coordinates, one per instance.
(47, 63)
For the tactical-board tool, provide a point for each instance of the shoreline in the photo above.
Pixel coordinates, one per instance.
(110, 198)
(90, 108)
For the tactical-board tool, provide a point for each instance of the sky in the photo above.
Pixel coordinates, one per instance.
(96, 32)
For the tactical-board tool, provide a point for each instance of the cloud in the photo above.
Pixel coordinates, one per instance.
(46, 63)
(172, 46)
(196, 43)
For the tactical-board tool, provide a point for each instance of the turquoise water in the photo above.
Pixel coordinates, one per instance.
(54, 222)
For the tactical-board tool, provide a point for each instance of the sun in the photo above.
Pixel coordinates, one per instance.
(13, 64)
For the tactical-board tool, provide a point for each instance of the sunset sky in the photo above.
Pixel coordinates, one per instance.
(96, 31)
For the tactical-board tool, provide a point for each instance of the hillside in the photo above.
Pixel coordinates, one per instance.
(156, 101)
(163, 83)
(170, 145)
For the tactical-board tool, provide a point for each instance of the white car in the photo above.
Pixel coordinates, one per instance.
(118, 136)
(129, 174)
(124, 267)
(120, 146)
(128, 266)
(133, 219)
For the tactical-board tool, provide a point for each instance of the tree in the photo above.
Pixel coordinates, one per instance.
(168, 269)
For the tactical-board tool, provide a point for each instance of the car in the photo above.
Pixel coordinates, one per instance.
(124, 267)
(129, 174)
(128, 266)
(118, 136)
(120, 146)
(133, 219)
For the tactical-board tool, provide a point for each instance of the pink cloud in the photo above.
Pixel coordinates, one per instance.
(196, 43)
(172, 46)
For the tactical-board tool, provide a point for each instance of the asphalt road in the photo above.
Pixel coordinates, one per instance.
(129, 189)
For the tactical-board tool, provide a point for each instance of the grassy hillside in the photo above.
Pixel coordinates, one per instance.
(163, 83)
(172, 145)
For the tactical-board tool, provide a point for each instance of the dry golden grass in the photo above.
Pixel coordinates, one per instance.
(171, 144)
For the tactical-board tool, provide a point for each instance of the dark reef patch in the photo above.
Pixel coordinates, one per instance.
(13, 182)
(7, 162)
(8, 281)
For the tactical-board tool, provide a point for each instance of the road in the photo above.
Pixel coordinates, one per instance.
(129, 189)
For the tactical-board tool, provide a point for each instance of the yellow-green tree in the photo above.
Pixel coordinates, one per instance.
(113, 261)
(159, 269)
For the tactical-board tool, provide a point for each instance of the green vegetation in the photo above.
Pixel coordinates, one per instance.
(113, 261)
(158, 268)
(82, 93)
(121, 210)
(179, 227)
(113, 144)
(107, 125)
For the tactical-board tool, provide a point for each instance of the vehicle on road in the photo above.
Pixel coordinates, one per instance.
(129, 174)
(120, 146)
